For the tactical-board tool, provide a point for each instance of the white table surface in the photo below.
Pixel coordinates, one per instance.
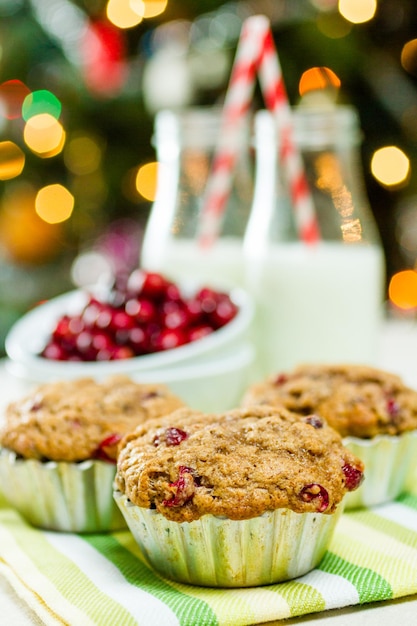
(398, 354)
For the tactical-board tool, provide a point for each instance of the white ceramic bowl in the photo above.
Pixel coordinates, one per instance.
(28, 336)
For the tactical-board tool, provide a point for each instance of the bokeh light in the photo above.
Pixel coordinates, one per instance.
(82, 154)
(125, 13)
(146, 180)
(333, 25)
(24, 236)
(91, 268)
(12, 96)
(318, 78)
(41, 101)
(357, 11)
(390, 166)
(409, 57)
(103, 52)
(54, 204)
(44, 135)
(152, 8)
(12, 160)
(402, 289)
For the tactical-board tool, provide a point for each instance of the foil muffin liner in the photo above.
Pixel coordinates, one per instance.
(219, 552)
(389, 462)
(61, 496)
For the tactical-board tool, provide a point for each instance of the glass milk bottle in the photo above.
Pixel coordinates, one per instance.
(320, 302)
(185, 142)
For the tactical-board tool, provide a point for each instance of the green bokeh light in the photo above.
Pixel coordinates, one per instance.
(41, 101)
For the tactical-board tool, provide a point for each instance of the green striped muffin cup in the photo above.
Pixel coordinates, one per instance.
(390, 462)
(218, 552)
(61, 496)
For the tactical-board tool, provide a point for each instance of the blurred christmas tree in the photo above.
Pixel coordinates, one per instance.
(80, 82)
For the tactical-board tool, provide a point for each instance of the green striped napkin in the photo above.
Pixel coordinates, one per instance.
(102, 579)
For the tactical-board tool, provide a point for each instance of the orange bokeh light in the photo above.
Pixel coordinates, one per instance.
(12, 160)
(402, 289)
(318, 78)
(147, 180)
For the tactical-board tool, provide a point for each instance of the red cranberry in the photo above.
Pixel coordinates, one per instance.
(314, 491)
(175, 319)
(353, 476)
(183, 489)
(198, 332)
(101, 341)
(173, 293)
(104, 318)
(83, 341)
(76, 325)
(393, 407)
(149, 284)
(62, 328)
(122, 352)
(280, 379)
(65, 332)
(196, 314)
(105, 354)
(138, 340)
(107, 449)
(172, 437)
(224, 312)
(208, 299)
(168, 339)
(34, 405)
(55, 352)
(142, 309)
(122, 321)
(171, 306)
(314, 420)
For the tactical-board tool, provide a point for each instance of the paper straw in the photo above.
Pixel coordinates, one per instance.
(276, 100)
(236, 106)
(255, 53)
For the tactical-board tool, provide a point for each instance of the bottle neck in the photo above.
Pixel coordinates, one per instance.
(329, 141)
(195, 129)
(331, 127)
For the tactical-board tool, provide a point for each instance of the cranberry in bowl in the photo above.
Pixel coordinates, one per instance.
(145, 324)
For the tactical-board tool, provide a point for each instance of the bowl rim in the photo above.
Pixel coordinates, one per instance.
(28, 335)
(234, 361)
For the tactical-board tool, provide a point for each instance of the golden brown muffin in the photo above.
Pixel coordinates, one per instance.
(81, 419)
(238, 464)
(356, 400)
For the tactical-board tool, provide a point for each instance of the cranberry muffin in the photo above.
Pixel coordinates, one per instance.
(373, 410)
(58, 448)
(248, 497)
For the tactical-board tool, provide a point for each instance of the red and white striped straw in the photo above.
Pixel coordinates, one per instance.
(255, 53)
(236, 107)
(276, 100)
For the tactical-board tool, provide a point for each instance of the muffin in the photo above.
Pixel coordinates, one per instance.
(58, 448)
(244, 498)
(373, 410)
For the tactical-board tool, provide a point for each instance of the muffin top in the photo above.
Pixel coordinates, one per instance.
(238, 464)
(81, 419)
(356, 400)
